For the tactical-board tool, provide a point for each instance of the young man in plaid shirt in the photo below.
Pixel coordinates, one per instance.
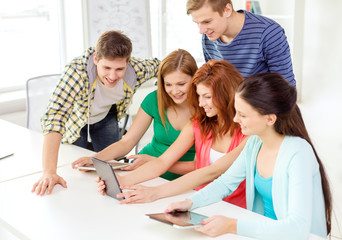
(94, 92)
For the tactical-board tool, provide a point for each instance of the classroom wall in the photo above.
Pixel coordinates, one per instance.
(322, 47)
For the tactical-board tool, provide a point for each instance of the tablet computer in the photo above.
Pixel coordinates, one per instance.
(116, 164)
(179, 219)
(106, 173)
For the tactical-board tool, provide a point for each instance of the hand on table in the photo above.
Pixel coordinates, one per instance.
(140, 159)
(217, 225)
(47, 182)
(82, 162)
(181, 206)
(138, 194)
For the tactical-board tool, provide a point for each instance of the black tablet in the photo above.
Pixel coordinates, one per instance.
(106, 173)
(179, 219)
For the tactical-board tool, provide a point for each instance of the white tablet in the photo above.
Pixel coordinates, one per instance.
(114, 163)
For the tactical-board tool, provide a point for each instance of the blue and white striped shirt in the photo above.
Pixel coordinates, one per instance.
(261, 46)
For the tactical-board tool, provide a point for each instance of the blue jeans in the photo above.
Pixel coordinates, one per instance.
(102, 133)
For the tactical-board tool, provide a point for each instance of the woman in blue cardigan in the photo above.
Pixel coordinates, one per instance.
(285, 179)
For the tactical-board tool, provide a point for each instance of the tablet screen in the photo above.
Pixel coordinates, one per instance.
(179, 219)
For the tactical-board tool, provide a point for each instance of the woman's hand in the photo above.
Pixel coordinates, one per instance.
(83, 161)
(101, 186)
(179, 206)
(140, 159)
(138, 194)
(217, 225)
(178, 218)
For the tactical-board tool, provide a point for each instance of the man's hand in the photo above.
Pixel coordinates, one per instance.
(47, 182)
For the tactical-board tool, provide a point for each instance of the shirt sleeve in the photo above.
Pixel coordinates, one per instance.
(145, 69)
(62, 102)
(149, 104)
(276, 52)
(223, 186)
(204, 48)
(297, 222)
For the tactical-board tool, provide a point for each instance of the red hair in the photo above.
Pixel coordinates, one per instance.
(222, 78)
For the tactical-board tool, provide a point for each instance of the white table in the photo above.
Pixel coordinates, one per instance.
(80, 212)
(27, 148)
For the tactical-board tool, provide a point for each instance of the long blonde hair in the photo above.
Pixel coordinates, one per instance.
(178, 60)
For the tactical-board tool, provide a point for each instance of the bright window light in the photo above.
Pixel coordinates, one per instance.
(29, 41)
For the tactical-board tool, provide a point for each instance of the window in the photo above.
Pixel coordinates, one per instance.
(29, 41)
(181, 31)
(176, 29)
(30, 37)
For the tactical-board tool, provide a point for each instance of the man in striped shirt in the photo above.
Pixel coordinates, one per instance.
(94, 91)
(251, 42)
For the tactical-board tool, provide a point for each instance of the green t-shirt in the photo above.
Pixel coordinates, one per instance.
(163, 137)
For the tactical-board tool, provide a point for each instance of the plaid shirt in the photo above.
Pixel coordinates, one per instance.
(68, 107)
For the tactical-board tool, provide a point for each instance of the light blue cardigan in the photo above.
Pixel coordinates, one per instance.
(297, 191)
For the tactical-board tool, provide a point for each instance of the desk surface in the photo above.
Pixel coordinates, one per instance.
(80, 212)
(27, 148)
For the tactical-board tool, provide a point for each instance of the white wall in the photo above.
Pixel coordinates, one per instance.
(322, 47)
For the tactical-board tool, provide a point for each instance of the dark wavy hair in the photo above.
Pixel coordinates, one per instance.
(270, 93)
(222, 78)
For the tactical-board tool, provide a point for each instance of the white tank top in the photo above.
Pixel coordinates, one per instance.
(214, 155)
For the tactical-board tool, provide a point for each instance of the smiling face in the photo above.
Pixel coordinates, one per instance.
(211, 23)
(205, 99)
(177, 85)
(110, 71)
(250, 120)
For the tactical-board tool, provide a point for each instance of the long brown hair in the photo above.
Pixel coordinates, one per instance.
(222, 78)
(178, 60)
(270, 93)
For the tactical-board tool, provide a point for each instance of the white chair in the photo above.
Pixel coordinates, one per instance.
(124, 124)
(38, 91)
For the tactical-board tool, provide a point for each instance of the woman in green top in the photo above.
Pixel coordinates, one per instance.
(169, 109)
